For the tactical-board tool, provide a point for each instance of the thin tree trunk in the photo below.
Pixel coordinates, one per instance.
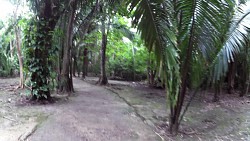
(148, 69)
(19, 52)
(71, 75)
(74, 66)
(78, 61)
(133, 52)
(20, 58)
(103, 80)
(11, 49)
(151, 72)
(85, 63)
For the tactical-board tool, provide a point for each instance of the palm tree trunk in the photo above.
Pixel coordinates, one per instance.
(185, 67)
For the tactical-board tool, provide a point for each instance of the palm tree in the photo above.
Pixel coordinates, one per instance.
(233, 46)
(183, 33)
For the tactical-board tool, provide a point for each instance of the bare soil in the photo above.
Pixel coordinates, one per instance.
(121, 111)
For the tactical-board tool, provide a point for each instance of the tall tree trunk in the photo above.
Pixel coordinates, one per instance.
(66, 79)
(48, 17)
(19, 52)
(71, 75)
(61, 43)
(20, 57)
(103, 80)
(78, 61)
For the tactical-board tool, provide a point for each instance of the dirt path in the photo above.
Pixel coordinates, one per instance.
(121, 111)
(93, 114)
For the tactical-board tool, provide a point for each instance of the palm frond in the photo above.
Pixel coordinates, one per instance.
(201, 29)
(154, 22)
(236, 39)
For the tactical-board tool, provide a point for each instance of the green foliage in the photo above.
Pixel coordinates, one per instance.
(183, 32)
(157, 30)
(8, 64)
(8, 57)
(34, 66)
(1, 24)
(192, 38)
(127, 57)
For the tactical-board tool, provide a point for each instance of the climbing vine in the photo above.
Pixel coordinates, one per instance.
(37, 54)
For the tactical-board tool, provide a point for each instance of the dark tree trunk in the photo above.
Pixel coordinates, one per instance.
(244, 72)
(71, 76)
(244, 78)
(231, 77)
(175, 109)
(217, 92)
(103, 80)
(48, 17)
(85, 63)
(66, 73)
(150, 71)
(78, 62)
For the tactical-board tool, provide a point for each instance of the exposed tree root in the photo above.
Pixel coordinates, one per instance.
(25, 136)
(9, 119)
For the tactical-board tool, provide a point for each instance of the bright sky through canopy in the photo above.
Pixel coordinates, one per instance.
(6, 8)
